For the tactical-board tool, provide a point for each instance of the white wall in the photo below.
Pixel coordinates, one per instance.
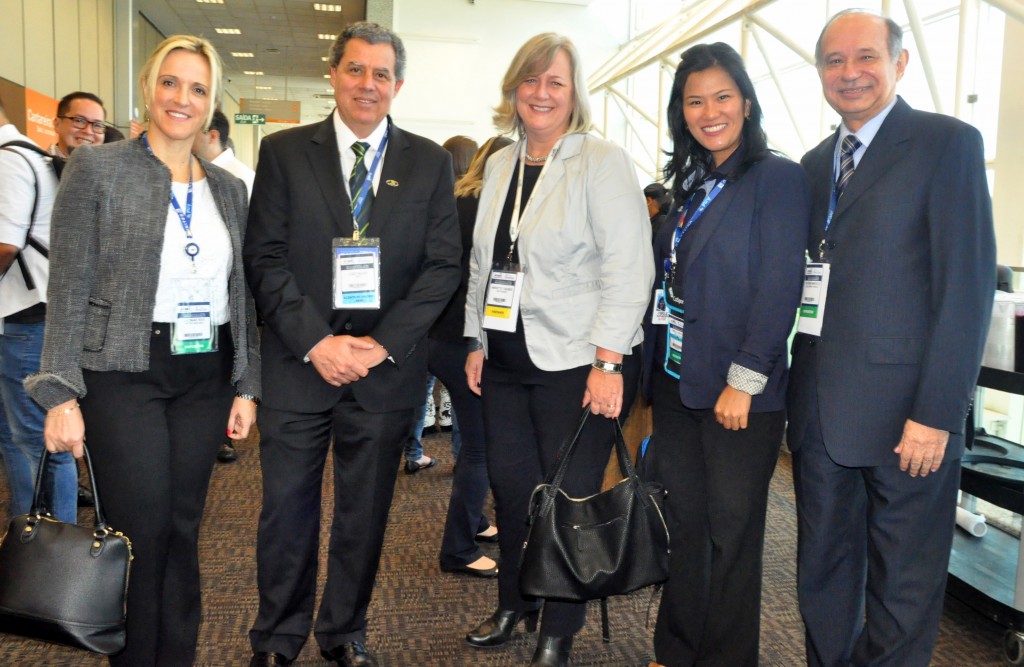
(59, 46)
(458, 52)
(1009, 168)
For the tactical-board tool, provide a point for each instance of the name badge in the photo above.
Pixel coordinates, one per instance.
(501, 306)
(193, 331)
(674, 342)
(812, 301)
(659, 311)
(356, 273)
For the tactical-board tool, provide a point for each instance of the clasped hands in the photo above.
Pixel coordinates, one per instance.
(341, 360)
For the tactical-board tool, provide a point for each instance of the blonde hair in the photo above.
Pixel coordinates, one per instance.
(533, 59)
(197, 45)
(473, 180)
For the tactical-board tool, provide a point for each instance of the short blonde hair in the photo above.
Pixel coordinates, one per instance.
(198, 45)
(533, 59)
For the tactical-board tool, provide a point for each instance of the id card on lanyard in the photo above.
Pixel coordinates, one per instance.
(816, 275)
(672, 310)
(193, 331)
(355, 262)
(505, 284)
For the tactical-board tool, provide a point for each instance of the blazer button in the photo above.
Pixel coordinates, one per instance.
(348, 326)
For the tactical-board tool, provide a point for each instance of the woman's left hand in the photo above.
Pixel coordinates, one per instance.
(241, 418)
(732, 408)
(603, 393)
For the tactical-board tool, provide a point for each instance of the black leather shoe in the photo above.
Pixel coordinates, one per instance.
(490, 539)
(227, 453)
(350, 654)
(485, 573)
(413, 467)
(261, 659)
(552, 651)
(498, 629)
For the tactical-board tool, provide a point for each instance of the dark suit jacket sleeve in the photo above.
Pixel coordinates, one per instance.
(783, 212)
(292, 314)
(962, 280)
(407, 320)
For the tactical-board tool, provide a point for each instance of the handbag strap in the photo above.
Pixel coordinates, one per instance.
(565, 452)
(37, 495)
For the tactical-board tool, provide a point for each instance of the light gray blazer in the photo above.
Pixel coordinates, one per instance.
(585, 245)
(107, 233)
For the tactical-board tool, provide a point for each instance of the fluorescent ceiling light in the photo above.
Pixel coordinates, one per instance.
(323, 7)
(243, 54)
(252, 73)
(228, 31)
(324, 35)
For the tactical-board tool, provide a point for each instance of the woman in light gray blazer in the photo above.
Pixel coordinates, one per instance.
(563, 224)
(151, 339)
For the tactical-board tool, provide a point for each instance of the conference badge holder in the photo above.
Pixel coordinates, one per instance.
(504, 290)
(193, 331)
(356, 273)
(674, 333)
(812, 301)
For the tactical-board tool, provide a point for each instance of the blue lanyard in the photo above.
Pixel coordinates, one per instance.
(191, 248)
(360, 200)
(685, 222)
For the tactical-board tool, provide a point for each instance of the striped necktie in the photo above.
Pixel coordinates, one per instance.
(850, 146)
(355, 183)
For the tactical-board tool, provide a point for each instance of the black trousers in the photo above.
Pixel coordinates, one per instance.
(153, 437)
(447, 361)
(717, 482)
(293, 451)
(528, 413)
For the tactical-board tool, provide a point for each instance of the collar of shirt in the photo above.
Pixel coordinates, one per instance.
(225, 156)
(865, 135)
(347, 137)
(56, 151)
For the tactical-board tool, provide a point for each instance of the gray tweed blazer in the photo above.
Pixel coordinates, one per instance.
(107, 232)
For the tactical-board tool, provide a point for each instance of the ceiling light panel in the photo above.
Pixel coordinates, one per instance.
(323, 7)
(228, 31)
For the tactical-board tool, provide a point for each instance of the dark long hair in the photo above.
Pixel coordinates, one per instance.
(689, 162)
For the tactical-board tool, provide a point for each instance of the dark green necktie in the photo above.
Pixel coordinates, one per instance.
(355, 184)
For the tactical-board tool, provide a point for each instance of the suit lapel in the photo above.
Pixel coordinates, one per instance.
(325, 163)
(704, 227)
(883, 156)
(395, 169)
(570, 148)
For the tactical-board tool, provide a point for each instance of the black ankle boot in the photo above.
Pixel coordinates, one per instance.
(498, 629)
(552, 651)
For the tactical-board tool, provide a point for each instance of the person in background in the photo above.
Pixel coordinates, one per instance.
(561, 215)
(462, 149)
(81, 119)
(886, 357)
(28, 185)
(731, 257)
(142, 234)
(465, 524)
(658, 201)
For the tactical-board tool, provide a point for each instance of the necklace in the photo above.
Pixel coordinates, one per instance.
(530, 158)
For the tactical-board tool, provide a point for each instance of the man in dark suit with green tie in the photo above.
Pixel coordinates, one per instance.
(883, 373)
(352, 251)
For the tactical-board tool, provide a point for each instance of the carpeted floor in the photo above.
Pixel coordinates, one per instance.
(418, 615)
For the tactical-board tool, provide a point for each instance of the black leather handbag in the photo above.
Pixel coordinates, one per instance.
(610, 543)
(64, 583)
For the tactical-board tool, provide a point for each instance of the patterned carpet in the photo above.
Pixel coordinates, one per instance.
(418, 615)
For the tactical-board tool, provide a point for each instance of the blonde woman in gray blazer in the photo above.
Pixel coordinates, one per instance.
(155, 417)
(581, 250)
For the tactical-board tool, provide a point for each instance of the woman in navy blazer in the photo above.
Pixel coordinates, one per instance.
(730, 261)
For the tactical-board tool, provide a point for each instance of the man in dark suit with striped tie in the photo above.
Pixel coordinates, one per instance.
(352, 251)
(896, 307)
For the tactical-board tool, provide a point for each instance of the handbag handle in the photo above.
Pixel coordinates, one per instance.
(565, 452)
(37, 495)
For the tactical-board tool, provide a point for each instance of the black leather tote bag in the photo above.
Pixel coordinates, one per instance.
(64, 583)
(610, 543)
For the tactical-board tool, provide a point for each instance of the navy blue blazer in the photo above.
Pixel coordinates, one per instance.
(740, 273)
(299, 204)
(912, 248)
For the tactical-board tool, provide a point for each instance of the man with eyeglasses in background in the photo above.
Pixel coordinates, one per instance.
(81, 119)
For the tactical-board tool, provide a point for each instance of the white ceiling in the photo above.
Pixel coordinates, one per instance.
(281, 35)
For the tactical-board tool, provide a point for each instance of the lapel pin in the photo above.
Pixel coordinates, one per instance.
(392, 183)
